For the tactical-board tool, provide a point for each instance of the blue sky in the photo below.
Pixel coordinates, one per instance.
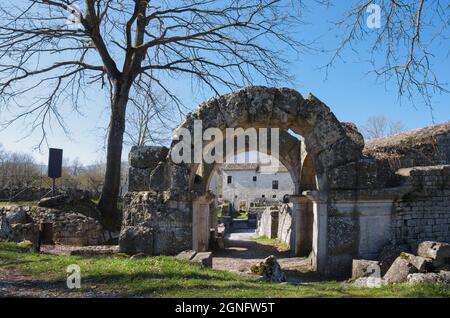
(351, 95)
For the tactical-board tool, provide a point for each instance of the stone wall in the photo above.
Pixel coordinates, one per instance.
(284, 224)
(268, 222)
(142, 161)
(67, 228)
(424, 213)
(419, 147)
(165, 222)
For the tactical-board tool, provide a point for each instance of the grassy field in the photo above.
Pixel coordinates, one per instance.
(168, 277)
(273, 242)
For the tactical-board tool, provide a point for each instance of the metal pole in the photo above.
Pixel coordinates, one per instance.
(53, 187)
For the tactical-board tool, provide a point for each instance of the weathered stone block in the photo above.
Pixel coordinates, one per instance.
(400, 269)
(427, 278)
(25, 232)
(17, 215)
(205, 259)
(146, 156)
(136, 239)
(138, 179)
(186, 255)
(364, 268)
(437, 251)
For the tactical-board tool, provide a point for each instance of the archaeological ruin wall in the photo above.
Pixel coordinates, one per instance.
(351, 204)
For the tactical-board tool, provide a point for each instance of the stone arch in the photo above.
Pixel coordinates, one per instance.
(167, 211)
(326, 140)
(289, 156)
(329, 144)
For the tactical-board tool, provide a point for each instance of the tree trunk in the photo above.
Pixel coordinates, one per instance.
(111, 184)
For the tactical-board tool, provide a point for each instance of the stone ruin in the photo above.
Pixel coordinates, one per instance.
(61, 220)
(351, 200)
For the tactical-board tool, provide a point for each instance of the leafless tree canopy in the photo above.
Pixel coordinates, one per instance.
(131, 47)
(52, 50)
(407, 49)
(381, 126)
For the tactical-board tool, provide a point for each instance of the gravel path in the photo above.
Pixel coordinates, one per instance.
(241, 252)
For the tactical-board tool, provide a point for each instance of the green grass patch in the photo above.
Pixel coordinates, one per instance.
(281, 246)
(19, 203)
(242, 216)
(163, 276)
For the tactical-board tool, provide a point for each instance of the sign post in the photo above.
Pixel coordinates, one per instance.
(55, 166)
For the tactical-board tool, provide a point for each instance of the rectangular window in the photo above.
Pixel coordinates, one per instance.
(229, 179)
(254, 178)
(274, 196)
(274, 184)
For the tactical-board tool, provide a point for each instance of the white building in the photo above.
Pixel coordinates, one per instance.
(244, 183)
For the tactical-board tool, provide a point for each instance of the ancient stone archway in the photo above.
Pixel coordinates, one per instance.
(177, 199)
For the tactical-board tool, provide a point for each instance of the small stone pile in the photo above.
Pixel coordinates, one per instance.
(430, 265)
(270, 269)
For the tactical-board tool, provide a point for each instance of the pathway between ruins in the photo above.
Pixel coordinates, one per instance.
(242, 251)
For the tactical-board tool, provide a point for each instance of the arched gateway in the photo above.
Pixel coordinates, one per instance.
(172, 215)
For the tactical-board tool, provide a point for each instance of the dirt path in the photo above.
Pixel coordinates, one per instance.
(14, 284)
(241, 252)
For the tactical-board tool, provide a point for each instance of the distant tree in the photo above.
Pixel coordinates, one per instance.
(149, 122)
(380, 126)
(131, 48)
(407, 48)
(18, 170)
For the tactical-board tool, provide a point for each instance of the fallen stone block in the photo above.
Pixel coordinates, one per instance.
(203, 258)
(270, 269)
(427, 278)
(400, 269)
(186, 255)
(439, 252)
(365, 268)
(389, 254)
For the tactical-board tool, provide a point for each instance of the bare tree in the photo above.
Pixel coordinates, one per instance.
(149, 122)
(131, 47)
(380, 126)
(408, 47)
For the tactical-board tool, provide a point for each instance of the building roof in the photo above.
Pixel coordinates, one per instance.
(252, 167)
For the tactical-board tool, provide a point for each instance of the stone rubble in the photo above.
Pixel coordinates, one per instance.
(270, 270)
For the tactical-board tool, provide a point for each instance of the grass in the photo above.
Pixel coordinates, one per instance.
(280, 246)
(164, 276)
(242, 216)
(19, 203)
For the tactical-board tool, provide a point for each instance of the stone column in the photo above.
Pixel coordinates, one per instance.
(319, 244)
(201, 223)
